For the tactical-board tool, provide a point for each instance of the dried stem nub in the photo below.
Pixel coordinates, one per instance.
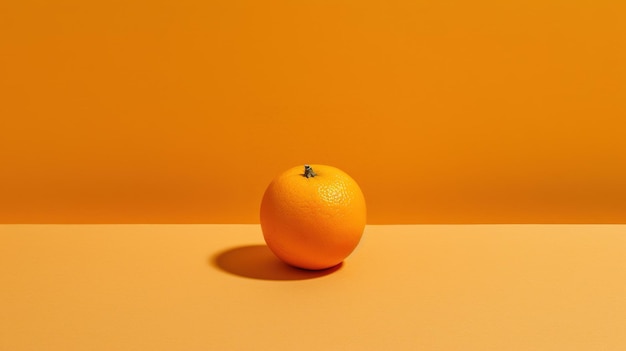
(308, 171)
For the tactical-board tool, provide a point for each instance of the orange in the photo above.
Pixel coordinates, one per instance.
(313, 217)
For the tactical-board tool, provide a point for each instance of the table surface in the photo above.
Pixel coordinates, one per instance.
(217, 287)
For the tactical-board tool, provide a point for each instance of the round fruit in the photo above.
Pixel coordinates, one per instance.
(313, 217)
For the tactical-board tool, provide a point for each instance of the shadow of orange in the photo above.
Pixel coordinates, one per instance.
(258, 262)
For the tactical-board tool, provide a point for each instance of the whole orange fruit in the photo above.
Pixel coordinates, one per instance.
(313, 217)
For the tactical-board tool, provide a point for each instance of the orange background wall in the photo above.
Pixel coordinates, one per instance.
(183, 111)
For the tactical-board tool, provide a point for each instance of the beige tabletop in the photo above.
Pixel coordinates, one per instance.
(217, 287)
